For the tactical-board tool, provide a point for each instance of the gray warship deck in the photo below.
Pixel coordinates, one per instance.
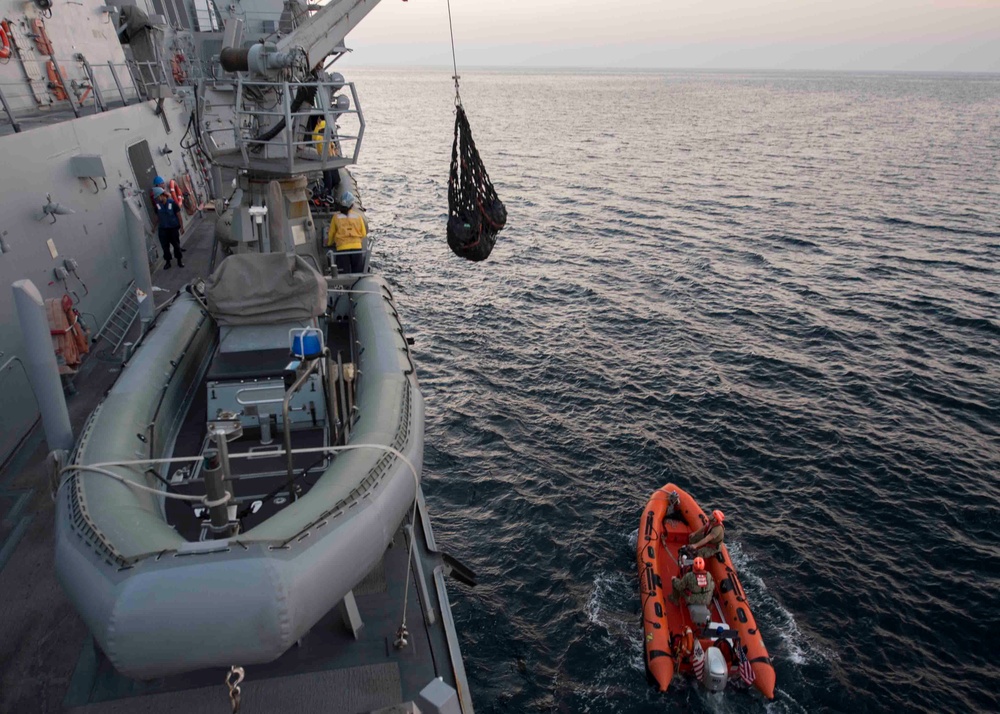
(49, 661)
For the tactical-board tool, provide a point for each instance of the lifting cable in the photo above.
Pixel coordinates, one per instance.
(475, 214)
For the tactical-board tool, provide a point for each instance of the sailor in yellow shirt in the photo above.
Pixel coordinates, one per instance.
(331, 177)
(347, 230)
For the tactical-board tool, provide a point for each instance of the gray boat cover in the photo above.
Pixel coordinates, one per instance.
(268, 288)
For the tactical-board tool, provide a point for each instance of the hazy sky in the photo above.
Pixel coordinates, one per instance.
(945, 35)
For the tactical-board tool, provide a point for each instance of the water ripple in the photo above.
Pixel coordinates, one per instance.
(782, 293)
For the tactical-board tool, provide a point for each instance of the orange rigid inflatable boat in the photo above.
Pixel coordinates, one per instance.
(730, 646)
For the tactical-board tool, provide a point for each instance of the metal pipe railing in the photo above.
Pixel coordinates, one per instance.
(253, 120)
(114, 75)
(287, 427)
(20, 105)
(10, 114)
(94, 86)
(65, 88)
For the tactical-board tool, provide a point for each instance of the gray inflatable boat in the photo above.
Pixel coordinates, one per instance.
(246, 471)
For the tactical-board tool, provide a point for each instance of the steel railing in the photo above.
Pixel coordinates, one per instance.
(88, 88)
(261, 107)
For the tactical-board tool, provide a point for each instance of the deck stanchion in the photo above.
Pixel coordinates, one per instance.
(40, 361)
(140, 262)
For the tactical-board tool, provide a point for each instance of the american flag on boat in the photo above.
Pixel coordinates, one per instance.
(746, 670)
(698, 660)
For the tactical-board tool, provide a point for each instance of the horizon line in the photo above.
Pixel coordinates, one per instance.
(593, 68)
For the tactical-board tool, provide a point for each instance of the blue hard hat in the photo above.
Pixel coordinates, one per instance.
(158, 192)
(347, 199)
(158, 180)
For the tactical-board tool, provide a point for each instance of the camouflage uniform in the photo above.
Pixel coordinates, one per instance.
(689, 588)
(718, 534)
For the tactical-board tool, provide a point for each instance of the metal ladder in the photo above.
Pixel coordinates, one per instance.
(117, 325)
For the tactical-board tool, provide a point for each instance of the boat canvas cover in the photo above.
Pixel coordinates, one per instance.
(263, 288)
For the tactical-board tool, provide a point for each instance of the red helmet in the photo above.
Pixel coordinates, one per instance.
(699, 565)
(718, 516)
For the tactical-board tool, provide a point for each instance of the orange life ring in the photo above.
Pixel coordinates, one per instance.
(4, 40)
(685, 645)
(177, 68)
(175, 192)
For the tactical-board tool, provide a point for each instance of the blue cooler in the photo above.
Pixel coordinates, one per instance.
(307, 343)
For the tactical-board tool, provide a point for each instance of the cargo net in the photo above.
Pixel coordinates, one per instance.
(475, 214)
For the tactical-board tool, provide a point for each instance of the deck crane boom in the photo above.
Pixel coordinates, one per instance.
(305, 47)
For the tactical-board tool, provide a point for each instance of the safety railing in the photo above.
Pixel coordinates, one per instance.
(148, 77)
(79, 87)
(276, 127)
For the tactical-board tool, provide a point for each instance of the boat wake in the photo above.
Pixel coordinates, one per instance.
(611, 607)
(730, 702)
(781, 632)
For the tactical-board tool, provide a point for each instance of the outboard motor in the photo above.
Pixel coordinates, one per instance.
(716, 672)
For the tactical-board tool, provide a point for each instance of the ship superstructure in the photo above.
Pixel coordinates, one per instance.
(245, 500)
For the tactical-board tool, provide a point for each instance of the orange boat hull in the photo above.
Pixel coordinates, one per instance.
(664, 623)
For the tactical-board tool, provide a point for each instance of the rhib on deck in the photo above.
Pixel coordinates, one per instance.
(298, 469)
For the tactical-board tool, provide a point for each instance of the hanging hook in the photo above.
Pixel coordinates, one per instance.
(402, 637)
(454, 62)
(233, 679)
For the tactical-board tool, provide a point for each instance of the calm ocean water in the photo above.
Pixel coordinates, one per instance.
(780, 291)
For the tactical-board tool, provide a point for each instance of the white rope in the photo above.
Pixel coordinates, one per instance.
(101, 468)
(138, 486)
(454, 62)
(212, 504)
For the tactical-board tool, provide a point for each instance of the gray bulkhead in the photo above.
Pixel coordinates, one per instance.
(41, 160)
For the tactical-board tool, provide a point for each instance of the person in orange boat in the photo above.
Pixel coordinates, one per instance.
(673, 505)
(708, 539)
(696, 586)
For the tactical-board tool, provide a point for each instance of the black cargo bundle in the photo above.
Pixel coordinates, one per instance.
(475, 214)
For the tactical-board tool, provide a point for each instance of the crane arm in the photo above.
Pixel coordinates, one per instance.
(313, 41)
(326, 30)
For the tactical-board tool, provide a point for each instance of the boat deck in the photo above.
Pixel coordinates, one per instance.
(48, 662)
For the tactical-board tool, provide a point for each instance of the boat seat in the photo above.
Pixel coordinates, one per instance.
(248, 365)
(699, 614)
(717, 630)
(256, 338)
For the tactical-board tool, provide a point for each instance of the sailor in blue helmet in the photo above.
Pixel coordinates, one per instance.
(158, 181)
(169, 225)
